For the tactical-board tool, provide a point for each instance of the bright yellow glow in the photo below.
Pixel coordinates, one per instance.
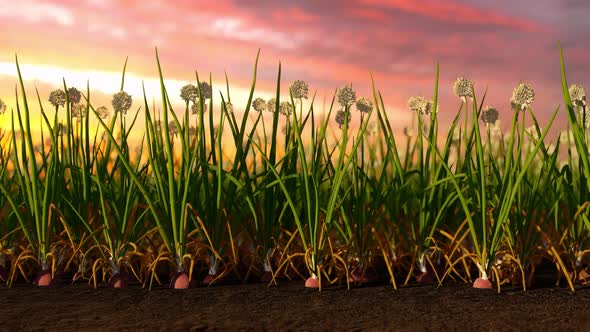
(108, 82)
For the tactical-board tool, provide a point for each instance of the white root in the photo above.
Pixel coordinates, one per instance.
(484, 274)
(266, 264)
(212, 265)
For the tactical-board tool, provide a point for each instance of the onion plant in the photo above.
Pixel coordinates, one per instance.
(487, 234)
(573, 235)
(316, 194)
(35, 209)
(8, 224)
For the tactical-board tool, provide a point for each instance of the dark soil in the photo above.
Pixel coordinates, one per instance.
(291, 307)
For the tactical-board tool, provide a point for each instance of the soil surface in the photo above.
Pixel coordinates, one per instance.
(291, 307)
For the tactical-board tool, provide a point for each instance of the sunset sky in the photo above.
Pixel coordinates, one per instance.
(327, 43)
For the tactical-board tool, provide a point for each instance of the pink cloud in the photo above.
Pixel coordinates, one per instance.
(294, 14)
(450, 11)
(328, 43)
(370, 14)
